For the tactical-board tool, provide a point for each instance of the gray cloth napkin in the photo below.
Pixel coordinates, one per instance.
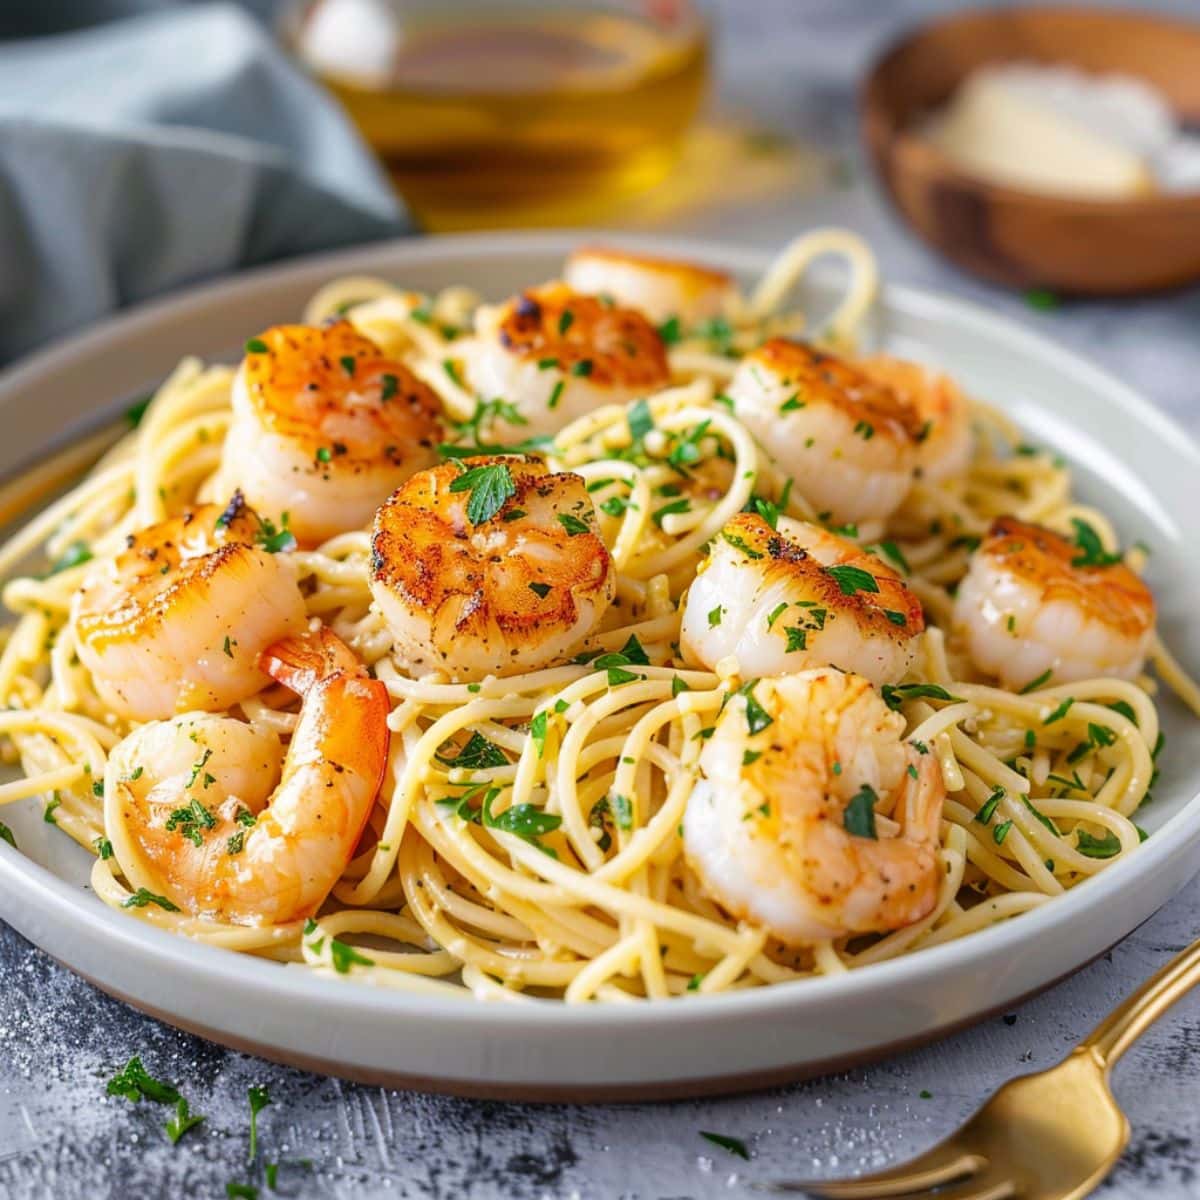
(156, 150)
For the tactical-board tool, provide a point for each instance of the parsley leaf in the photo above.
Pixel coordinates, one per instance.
(895, 694)
(733, 1145)
(142, 897)
(859, 816)
(1098, 847)
(490, 486)
(572, 524)
(1092, 552)
(478, 754)
(135, 1083)
(852, 579)
(181, 1122)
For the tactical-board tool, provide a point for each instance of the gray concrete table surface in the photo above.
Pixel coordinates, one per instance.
(793, 65)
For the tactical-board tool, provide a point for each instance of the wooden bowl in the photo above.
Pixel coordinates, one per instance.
(1016, 237)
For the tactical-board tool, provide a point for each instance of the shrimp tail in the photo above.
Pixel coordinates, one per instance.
(921, 804)
(302, 661)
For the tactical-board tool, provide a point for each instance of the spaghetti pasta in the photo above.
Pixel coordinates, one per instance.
(527, 840)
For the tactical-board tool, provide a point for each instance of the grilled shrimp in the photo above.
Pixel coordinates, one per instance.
(177, 620)
(1032, 602)
(850, 443)
(786, 599)
(946, 440)
(213, 827)
(325, 426)
(659, 287)
(489, 567)
(556, 355)
(781, 828)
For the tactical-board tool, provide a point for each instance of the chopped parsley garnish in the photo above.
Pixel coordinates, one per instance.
(614, 506)
(582, 368)
(541, 590)
(555, 394)
(259, 1098)
(565, 320)
(896, 618)
(324, 454)
(478, 754)
(682, 505)
(716, 331)
(572, 524)
(892, 551)
(597, 820)
(622, 809)
(715, 615)
(241, 1191)
(640, 420)
(1034, 684)
(733, 1145)
(1060, 712)
(750, 757)
(1091, 548)
(1102, 847)
(895, 694)
(256, 346)
(865, 430)
(349, 363)
(142, 897)
(678, 685)
(797, 638)
(859, 816)
(739, 543)
(135, 1083)
(182, 1121)
(670, 331)
(6, 835)
(389, 386)
(634, 652)
(275, 539)
(1125, 709)
(852, 579)
(1042, 299)
(792, 404)
(192, 822)
(103, 848)
(1000, 832)
(77, 553)
(345, 956)
(988, 808)
(490, 486)
(451, 369)
(48, 812)
(757, 717)
(237, 843)
(537, 731)
(137, 410)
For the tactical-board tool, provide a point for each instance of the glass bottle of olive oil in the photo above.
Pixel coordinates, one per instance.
(515, 112)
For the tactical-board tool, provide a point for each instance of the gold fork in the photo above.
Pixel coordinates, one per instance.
(1050, 1136)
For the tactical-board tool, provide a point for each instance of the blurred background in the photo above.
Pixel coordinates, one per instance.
(146, 144)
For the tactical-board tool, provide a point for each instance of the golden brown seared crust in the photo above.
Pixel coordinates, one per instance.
(167, 565)
(1110, 593)
(693, 276)
(301, 386)
(782, 558)
(609, 345)
(426, 550)
(818, 377)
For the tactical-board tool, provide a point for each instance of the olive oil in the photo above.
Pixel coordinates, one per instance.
(538, 114)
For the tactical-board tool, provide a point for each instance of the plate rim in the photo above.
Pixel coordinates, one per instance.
(21, 877)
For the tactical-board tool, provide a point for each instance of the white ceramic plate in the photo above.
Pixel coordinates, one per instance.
(1131, 459)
